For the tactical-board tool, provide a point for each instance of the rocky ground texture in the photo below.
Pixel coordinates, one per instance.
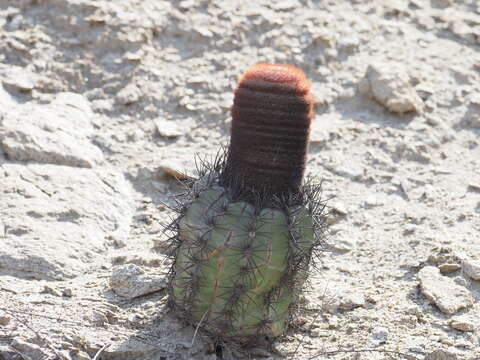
(103, 102)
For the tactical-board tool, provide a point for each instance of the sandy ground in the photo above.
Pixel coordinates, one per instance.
(101, 101)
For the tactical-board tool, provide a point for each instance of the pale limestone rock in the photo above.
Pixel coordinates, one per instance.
(7, 353)
(343, 299)
(5, 319)
(443, 291)
(57, 133)
(389, 85)
(472, 269)
(448, 268)
(350, 170)
(58, 218)
(345, 241)
(167, 129)
(20, 79)
(130, 281)
(440, 355)
(464, 323)
(379, 335)
(129, 94)
(26, 348)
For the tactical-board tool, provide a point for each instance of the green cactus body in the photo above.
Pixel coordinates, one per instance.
(233, 262)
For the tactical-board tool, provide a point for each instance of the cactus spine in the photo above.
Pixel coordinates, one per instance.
(248, 227)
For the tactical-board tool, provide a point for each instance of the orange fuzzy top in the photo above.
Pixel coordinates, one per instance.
(272, 112)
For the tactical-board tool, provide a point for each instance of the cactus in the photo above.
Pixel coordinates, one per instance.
(249, 227)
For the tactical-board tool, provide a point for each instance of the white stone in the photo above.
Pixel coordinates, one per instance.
(472, 269)
(57, 133)
(342, 299)
(380, 334)
(344, 242)
(443, 291)
(167, 129)
(20, 79)
(440, 355)
(350, 170)
(4, 319)
(26, 348)
(464, 323)
(129, 94)
(130, 281)
(57, 218)
(389, 85)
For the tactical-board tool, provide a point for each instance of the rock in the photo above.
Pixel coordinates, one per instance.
(379, 335)
(343, 300)
(167, 129)
(67, 292)
(448, 268)
(284, 5)
(474, 121)
(442, 3)
(6, 102)
(443, 291)
(339, 208)
(57, 133)
(389, 86)
(373, 201)
(129, 94)
(51, 291)
(440, 355)
(474, 187)
(460, 280)
(472, 269)
(130, 281)
(350, 170)
(345, 241)
(5, 319)
(20, 79)
(58, 218)
(6, 353)
(25, 348)
(147, 346)
(464, 323)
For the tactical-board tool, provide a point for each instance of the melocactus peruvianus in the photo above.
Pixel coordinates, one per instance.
(249, 226)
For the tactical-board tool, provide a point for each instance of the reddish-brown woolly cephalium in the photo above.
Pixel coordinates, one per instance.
(271, 113)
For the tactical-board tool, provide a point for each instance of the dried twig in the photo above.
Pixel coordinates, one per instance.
(44, 340)
(99, 352)
(140, 338)
(198, 326)
(314, 319)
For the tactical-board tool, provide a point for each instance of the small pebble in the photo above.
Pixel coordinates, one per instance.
(472, 269)
(379, 335)
(440, 355)
(5, 319)
(67, 293)
(129, 95)
(463, 323)
(167, 129)
(448, 268)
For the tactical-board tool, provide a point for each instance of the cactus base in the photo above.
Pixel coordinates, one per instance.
(239, 266)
